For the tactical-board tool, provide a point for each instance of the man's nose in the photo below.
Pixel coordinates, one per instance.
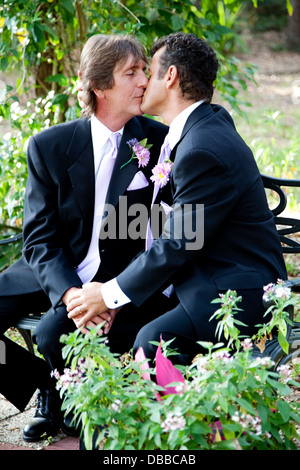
(143, 82)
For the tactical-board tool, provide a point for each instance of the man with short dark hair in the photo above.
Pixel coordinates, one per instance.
(73, 170)
(217, 190)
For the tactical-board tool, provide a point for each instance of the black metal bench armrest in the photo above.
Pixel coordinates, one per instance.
(28, 323)
(11, 239)
(285, 225)
(293, 284)
(272, 182)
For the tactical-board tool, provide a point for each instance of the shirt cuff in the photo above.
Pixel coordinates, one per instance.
(112, 294)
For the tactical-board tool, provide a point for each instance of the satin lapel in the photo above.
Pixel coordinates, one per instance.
(81, 168)
(121, 177)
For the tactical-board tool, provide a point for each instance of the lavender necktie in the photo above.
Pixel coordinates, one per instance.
(164, 155)
(104, 173)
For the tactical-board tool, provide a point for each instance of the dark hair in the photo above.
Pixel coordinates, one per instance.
(195, 61)
(99, 58)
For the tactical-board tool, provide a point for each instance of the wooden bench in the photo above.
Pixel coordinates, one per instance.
(288, 229)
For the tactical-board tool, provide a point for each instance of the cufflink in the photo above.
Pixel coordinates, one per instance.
(115, 302)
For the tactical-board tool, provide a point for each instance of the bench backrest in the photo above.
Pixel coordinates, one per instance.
(285, 225)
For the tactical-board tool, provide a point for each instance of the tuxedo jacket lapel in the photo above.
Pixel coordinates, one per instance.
(202, 111)
(81, 168)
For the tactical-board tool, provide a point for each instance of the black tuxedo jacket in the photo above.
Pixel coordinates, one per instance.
(241, 250)
(59, 206)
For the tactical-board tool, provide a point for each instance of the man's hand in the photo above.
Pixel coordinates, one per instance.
(74, 295)
(91, 324)
(87, 303)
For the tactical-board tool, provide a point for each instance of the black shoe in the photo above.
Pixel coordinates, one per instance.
(69, 425)
(47, 417)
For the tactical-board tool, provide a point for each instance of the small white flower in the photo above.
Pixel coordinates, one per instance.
(247, 344)
(173, 421)
(285, 372)
(283, 292)
(116, 405)
(182, 387)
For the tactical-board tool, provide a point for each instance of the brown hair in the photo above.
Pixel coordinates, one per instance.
(99, 58)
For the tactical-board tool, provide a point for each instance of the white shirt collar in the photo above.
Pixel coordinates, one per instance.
(178, 123)
(100, 135)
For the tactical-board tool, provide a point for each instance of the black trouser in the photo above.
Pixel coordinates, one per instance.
(176, 324)
(22, 372)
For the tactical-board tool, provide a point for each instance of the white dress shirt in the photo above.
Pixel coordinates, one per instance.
(113, 295)
(100, 135)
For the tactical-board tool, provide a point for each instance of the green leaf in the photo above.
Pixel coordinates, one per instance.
(59, 78)
(143, 433)
(177, 22)
(60, 98)
(68, 5)
(283, 342)
(226, 445)
(38, 33)
(246, 405)
(289, 7)
(4, 64)
(155, 416)
(263, 412)
(200, 427)
(284, 410)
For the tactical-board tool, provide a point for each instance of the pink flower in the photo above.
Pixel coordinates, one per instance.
(142, 154)
(166, 373)
(161, 173)
(140, 150)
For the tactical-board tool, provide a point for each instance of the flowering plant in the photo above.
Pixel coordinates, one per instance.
(140, 150)
(226, 399)
(279, 301)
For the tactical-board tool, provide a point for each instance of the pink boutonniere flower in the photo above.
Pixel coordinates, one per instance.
(161, 173)
(140, 150)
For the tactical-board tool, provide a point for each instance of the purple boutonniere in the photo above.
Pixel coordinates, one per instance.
(161, 171)
(140, 150)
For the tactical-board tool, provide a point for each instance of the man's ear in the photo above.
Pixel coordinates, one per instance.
(171, 76)
(99, 93)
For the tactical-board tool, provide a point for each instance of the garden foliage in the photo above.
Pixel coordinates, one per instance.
(226, 399)
(39, 60)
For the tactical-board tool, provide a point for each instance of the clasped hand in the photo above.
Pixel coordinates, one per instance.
(87, 308)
